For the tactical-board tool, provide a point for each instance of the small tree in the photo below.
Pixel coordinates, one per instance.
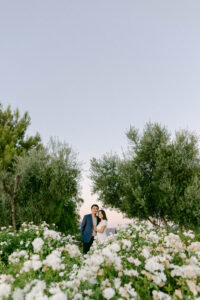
(156, 178)
(13, 144)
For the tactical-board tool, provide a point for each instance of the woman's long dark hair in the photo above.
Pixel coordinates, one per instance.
(103, 213)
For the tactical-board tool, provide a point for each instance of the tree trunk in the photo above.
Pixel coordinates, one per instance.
(180, 228)
(12, 203)
(165, 223)
(152, 222)
(12, 200)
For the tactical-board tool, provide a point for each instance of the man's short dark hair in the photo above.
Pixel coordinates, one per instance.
(94, 205)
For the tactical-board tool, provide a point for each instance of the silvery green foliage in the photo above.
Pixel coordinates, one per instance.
(49, 186)
(158, 177)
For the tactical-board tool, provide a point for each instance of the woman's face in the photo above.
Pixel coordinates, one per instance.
(100, 215)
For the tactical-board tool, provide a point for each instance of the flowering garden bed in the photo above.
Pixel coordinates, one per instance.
(137, 262)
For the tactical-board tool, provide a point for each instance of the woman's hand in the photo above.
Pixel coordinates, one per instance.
(95, 228)
(102, 229)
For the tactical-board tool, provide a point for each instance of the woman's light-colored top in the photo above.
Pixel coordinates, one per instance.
(102, 236)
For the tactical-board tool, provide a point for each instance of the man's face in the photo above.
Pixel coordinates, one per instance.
(94, 210)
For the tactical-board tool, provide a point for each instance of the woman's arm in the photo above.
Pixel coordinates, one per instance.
(101, 230)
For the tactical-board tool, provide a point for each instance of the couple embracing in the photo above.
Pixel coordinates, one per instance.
(93, 226)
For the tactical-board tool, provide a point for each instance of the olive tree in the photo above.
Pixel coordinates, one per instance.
(158, 177)
(49, 187)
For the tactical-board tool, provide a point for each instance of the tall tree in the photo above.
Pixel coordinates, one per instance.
(13, 144)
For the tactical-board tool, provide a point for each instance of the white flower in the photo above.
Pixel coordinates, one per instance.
(36, 292)
(15, 256)
(18, 294)
(195, 246)
(108, 293)
(3, 243)
(114, 247)
(88, 292)
(117, 283)
(6, 278)
(174, 241)
(52, 234)
(73, 250)
(123, 292)
(161, 296)
(78, 297)
(153, 236)
(130, 259)
(160, 278)
(186, 271)
(189, 234)
(131, 273)
(27, 244)
(70, 284)
(5, 290)
(193, 260)
(27, 266)
(182, 255)
(34, 263)
(107, 252)
(135, 261)
(126, 244)
(152, 265)
(145, 253)
(58, 296)
(37, 244)
(130, 290)
(195, 289)
(54, 260)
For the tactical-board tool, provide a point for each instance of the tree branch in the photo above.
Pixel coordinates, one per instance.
(154, 223)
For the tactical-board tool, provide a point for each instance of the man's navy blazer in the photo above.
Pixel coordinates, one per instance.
(87, 228)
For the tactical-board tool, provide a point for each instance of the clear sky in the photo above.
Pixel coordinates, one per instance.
(87, 70)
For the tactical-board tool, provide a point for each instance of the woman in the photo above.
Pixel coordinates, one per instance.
(102, 226)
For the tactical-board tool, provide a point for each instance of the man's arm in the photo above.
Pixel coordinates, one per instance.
(83, 224)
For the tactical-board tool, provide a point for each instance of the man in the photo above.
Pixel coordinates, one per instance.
(87, 228)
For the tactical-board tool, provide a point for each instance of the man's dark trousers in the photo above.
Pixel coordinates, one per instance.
(86, 246)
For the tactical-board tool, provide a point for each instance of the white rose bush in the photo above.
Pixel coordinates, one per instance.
(139, 261)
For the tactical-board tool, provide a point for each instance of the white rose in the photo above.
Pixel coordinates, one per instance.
(108, 293)
(37, 244)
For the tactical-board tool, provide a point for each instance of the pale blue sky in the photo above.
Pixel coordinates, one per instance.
(87, 70)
